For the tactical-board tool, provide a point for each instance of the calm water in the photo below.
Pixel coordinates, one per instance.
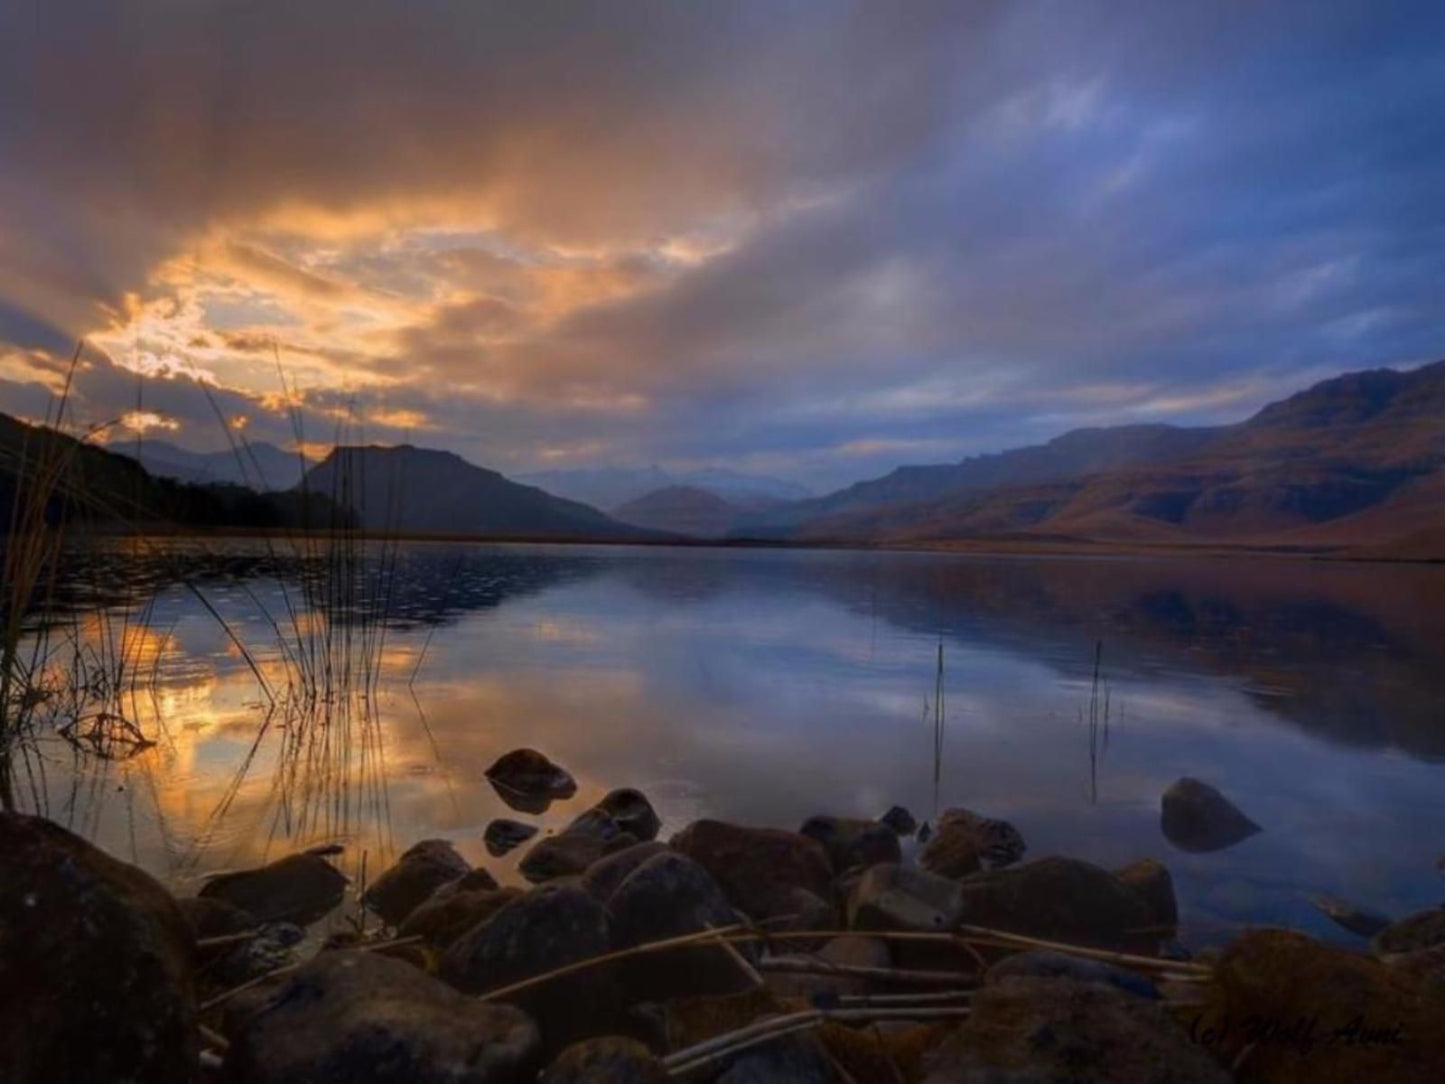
(765, 686)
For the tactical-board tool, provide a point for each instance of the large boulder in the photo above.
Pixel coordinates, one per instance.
(603, 876)
(1030, 1029)
(299, 888)
(214, 917)
(852, 842)
(96, 964)
(348, 1016)
(1422, 930)
(964, 842)
(419, 872)
(448, 915)
(1195, 817)
(527, 781)
(611, 1059)
(758, 867)
(893, 897)
(572, 851)
(630, 810)
(1151, 880)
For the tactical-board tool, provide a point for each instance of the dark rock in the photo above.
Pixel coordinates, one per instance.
(1152, 881)
(758, 867)
(1032, 1029)
(1060, 899)
(632, 812)
(688, 1021)
(350, 1016)
(527, 780)
(503, 836)
(475, 881)
(900, 821)
(611, 1059)
(214, 917)
(326, 850)
(571, 852)
(803, 911)
(892, 897)
(1349, 917)
(853, 842)
(1195, 817)
(859, 951)
(419, 872)
(547, 928)
(1426, 965)
(604, 875)
(300, 888)
(449, 914)
(273, 946)
(1422, 930)
(965, 842)
(1043, 964)
(96, 964)
(792, 1059)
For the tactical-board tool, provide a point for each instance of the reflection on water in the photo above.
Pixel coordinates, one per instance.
(765, 686)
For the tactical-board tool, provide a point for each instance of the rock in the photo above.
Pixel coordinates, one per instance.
(925, 832)
(503, 836)
(964, 842)
(821, 989)
(97, 964)
(214, 917)
(802, 911)
(670, 895)
(1152, 881)
(524, 778)
(274, 946)
(792, 1059)
(570, 853)
(419, 872)
(1044, 964)
(300, 888)
(349, 1016)
(477, 880)
(1333, 1016)
(1422, 930)
(900, 821)
(609, 871)
(758, 867)
(688, 1021)
(632, 812)
(893, 897)
(547, 928)
(1036, 1029)
(1060, 899)
(1427, 965)
(448, 915)
(1349, 917)
(853, 842)
(1195, 817)
(887, 1051)
(611, 1059)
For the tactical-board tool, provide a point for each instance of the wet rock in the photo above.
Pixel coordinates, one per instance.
(1337, 1016)
(547, 928)
(273, 946)
(214, 917)
(419, 872)
(792, 1059)
(670, 895)
(631, 812)
(96, 964)
(1195, 817)
(1060, 899)
(611, 1059)
(1047, 1029)
(1347, 916)
(603, 876)
(758, 867)
(1043, 964)
(848, 951)
(503, 836)
(348, 1016)
(964, 842)
(1422, 930)
(571, 852)
(448, 915)
(852, 842)
(300, 888)
(527, 780)
(900, 821)
(1152, 881)
(893, 897)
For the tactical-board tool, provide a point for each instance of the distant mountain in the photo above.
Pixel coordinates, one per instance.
(612, 487)
(681, 510)
(419, 489)
(259, 465)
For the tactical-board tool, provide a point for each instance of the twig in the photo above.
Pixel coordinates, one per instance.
(794, 965)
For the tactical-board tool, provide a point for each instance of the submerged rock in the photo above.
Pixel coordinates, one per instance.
(503, 836)
(419, 872)
(1195, 817)
(610, 1059)
(1422, 930)
(899, 820)
(852, 842)
(1347, 916)
(630, 810)
(348, 1016)
(524, 778)
(964, 842)
(300, 888)
(1151, 880)
(96, 964)
(1044, 964)
(758, 867)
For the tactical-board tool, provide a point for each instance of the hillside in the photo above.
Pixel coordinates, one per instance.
(682, 510)
(612, 487)
(418, 489)
(259, 465)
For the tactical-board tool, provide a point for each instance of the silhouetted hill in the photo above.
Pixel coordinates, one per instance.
(259, 465)
(420, 489)
(681, 510)
(612, 487)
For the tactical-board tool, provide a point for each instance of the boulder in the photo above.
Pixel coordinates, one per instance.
(97, 964)
(1045, 964)
(1152, 881)
(300, 888)
(1422, 930)
(448, 915)
(899, 820)
(631, 812)
(547, 928)
(1195, 817)
(527, 780)
(571, 852)
(758, 867)
(964, 842)
(603, 876)
(503, 836)
(1348, 917)
(1054, 1029)
(348, 1016)
(273, 946)
(893, 897)
(791, 1059)
(419, 872)
(610, 1059)
(214, 917)
(852, 842)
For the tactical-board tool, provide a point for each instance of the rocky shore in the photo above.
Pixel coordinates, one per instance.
(730, 953)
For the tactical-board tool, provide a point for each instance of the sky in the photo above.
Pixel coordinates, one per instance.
(810, 240)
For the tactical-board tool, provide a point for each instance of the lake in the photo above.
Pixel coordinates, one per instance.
(763, 686)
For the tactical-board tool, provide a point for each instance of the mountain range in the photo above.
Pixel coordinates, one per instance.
(256, 464)
(612, 487)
